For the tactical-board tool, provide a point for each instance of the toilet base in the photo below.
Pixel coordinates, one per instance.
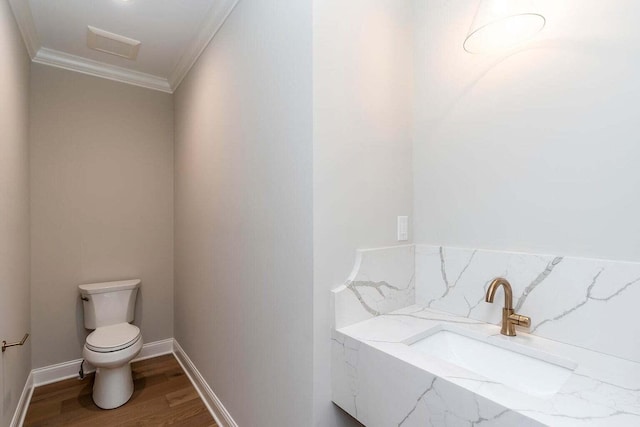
(113, 387)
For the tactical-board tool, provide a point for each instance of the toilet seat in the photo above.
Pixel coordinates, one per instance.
(107, 339)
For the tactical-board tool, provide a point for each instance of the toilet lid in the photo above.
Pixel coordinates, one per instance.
(113, 338)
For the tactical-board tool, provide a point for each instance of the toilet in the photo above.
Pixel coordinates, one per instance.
(108, 309)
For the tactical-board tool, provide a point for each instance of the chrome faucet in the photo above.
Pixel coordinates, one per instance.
(509, 318)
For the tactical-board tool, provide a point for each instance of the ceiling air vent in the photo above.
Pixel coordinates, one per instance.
(114, 44)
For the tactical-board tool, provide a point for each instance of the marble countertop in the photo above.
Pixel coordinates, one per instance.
(602, 390)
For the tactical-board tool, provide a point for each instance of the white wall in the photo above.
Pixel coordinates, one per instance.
(243, 214)
(362, 151)
(534, 151)
(101, 204)
(14, 212)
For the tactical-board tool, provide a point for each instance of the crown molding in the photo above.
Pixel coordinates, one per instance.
(213, 21)
(70, 62)
(22, 13)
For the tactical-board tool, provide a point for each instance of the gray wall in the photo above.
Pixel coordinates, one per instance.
(101, 203)
(14, 211)
(243, 214)
(533, 151)
(362, 150)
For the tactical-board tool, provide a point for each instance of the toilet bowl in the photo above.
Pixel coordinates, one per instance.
(110, 349)
(108, 309)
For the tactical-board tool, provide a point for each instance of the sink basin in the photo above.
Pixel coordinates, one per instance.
(519, 367)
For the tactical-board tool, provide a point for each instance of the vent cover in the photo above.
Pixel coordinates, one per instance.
(114, 44)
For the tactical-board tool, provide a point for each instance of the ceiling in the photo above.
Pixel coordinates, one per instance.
(172, 33)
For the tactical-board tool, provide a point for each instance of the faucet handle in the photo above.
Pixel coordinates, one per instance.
(520, 320)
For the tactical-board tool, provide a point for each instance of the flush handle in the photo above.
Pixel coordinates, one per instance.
(83, 298)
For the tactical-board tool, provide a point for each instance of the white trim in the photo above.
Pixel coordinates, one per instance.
(155, 349)
(62, 371)
(58, 372)
(22, 13)
(213, 21)
(211, 401)
(23, 403)
(70, 62)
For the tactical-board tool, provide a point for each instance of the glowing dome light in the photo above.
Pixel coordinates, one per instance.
(500, 25)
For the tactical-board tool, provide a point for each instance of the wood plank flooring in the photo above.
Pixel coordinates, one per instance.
(163, 395)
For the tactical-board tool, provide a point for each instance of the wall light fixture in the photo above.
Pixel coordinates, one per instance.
(502, 24)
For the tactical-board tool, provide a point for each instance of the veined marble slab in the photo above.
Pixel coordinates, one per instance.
(584, 302)
(382, 280)
(380, 380)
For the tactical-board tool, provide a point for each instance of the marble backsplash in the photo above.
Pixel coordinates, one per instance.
(382, 280)
(589, 303)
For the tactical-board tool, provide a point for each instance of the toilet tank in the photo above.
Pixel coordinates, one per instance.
(108, 303)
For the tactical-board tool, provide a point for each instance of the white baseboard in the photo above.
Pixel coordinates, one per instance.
(23, 403)
(211, 401)
(155, 349)
(58, 372)
(63, 371)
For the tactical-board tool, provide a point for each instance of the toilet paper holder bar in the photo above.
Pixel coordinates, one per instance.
(13, 344)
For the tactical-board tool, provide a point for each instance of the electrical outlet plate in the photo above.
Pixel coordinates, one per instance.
(403, 228)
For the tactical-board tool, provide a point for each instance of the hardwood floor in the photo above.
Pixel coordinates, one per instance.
(163, 395)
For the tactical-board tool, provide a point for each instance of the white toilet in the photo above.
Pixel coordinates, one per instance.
(108, 307)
